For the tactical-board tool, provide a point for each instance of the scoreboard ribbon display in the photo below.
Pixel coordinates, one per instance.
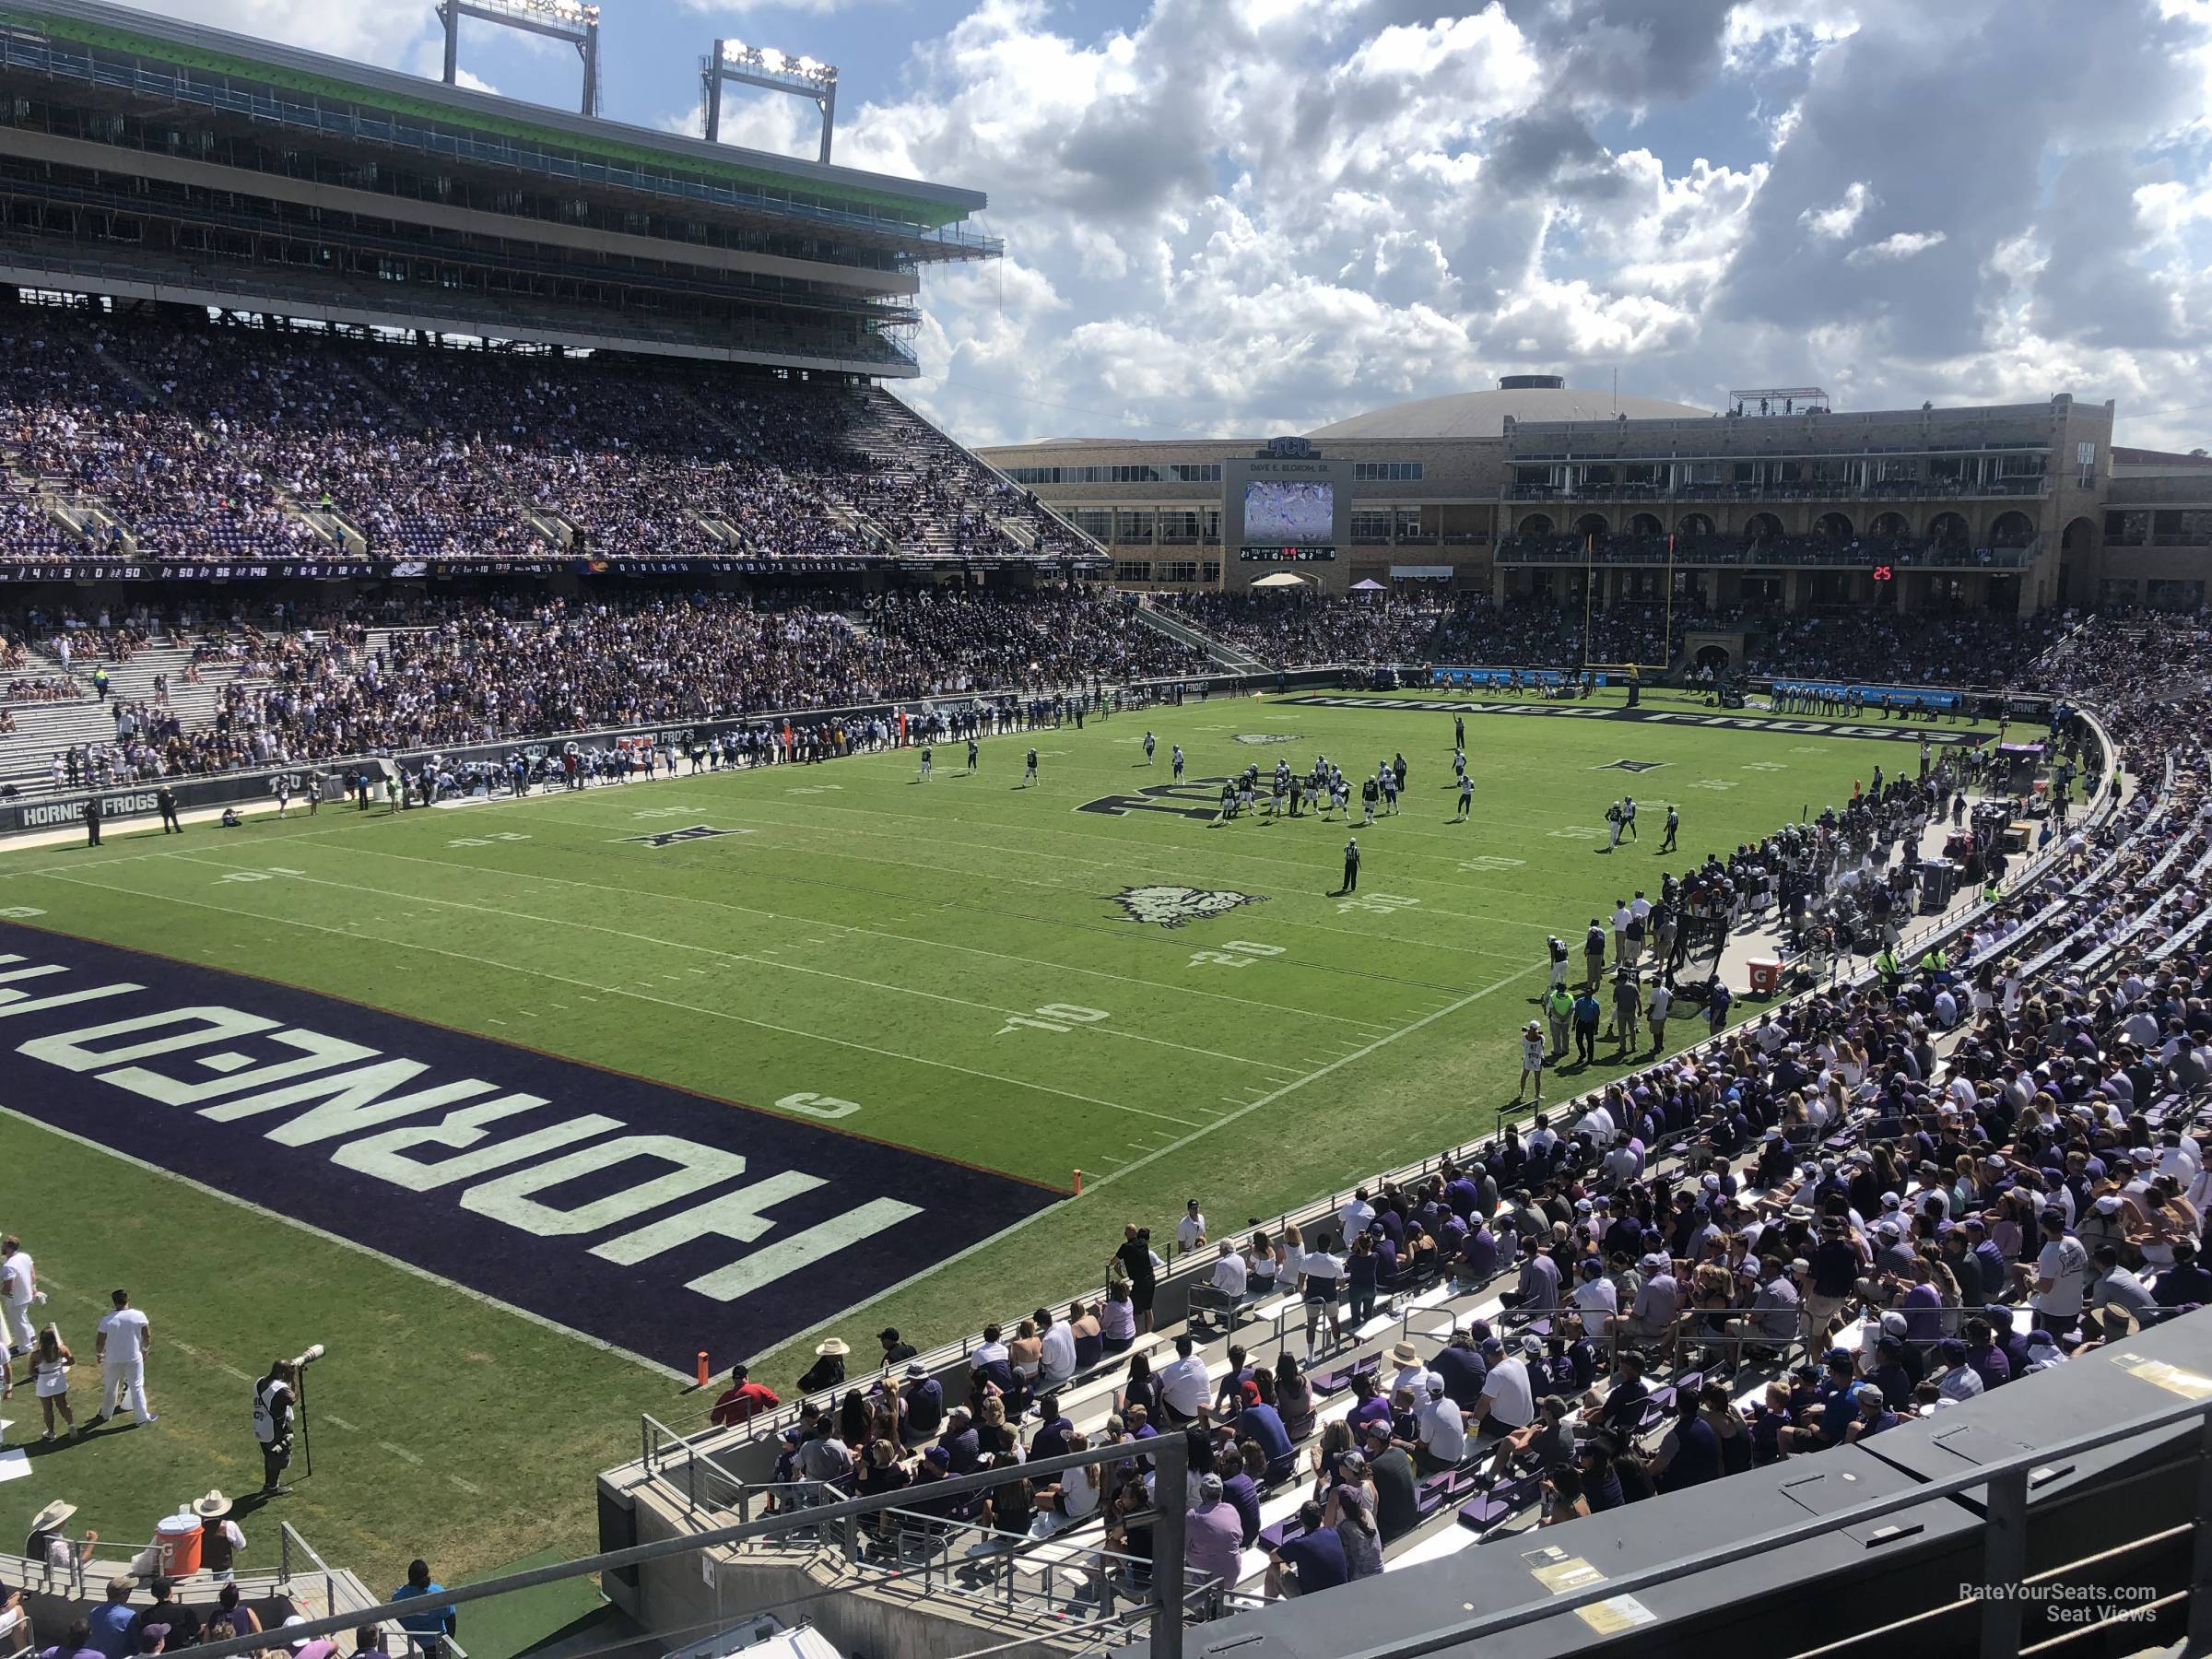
(1300, 555)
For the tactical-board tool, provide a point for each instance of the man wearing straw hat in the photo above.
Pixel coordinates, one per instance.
(220, 1539)
(828, 1368)
(47, 1542)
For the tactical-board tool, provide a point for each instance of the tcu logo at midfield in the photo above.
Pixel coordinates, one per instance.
(1172, 906)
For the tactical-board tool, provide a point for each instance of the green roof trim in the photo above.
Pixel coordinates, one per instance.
(911, 209)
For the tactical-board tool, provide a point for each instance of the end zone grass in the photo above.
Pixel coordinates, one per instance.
(947, 957)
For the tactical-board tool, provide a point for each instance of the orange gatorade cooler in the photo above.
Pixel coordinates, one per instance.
(178, 1538)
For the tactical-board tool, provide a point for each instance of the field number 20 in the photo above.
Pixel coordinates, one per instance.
(1237, 953)
(1053, 1016)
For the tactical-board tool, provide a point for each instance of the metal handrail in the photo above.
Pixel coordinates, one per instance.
(1168, 1452)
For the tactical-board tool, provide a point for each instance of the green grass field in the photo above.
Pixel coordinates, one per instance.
(949, 956)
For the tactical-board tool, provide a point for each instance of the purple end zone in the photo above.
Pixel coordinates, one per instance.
(655, 1219)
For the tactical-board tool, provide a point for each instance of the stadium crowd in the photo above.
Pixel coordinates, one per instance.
(481, 673)
(232, 441)
(1875, 1202)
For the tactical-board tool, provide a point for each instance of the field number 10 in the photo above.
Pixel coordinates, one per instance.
(1237, 953)
(1053, 1016)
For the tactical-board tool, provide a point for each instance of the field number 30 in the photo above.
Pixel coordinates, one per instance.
(1237, 953)
(1053, 1016)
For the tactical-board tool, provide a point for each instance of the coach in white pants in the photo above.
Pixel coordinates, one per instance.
(125, 1336)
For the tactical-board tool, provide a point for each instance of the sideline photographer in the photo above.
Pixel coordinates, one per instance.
(275, 1404)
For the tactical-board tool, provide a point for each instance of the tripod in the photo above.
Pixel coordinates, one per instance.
(307, 1453)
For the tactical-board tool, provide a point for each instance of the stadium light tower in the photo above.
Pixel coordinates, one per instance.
(773, 71)
(562, 19)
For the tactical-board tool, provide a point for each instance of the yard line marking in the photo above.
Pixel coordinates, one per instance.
(399, 1451)
(469, 1486)
(1457, 843)
(732, 955)
(1119, 863)
(333, 1418)
(232, 1372)
(328, 1237)
(1111, 1176)
(998, 956)
(462, 956)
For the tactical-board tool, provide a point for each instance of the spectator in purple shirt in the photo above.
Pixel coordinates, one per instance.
(1213, 1538)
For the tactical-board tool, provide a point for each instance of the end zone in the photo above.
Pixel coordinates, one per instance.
(633, 1214)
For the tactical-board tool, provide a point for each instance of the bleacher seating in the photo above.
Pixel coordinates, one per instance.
(227, 442)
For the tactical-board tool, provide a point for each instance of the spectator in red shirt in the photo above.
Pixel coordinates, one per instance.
(743, 1400)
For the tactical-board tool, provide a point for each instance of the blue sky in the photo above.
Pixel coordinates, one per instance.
(1257, 216)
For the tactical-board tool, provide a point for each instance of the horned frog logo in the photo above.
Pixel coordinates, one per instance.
(1172, 906)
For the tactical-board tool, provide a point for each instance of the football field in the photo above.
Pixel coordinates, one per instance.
(850, 1034)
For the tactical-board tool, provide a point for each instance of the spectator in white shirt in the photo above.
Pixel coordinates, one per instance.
(1353, 1218)
(1413, 1376)
(1056, 1361)
(1595, 1296)
(1184, 1391)
(1508, 1401)
(1443, 1432)
(1229, 1272)
(1190, 1232)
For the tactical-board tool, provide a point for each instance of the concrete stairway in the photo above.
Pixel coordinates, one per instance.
(43, 728)
(1230, 659)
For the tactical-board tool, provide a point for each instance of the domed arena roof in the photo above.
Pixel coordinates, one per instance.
(1482, 414)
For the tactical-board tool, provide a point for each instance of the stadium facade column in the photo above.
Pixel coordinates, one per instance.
(1498, 584)
(1792, 592)
(1908, 585)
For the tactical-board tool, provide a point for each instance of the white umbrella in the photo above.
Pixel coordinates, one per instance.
(1369, 586)
(1281, 578)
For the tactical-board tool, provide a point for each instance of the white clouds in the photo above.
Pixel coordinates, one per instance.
(2169, 207)
(1902, 244)
(1380, 199)
(1834, 224)
(1237, 216)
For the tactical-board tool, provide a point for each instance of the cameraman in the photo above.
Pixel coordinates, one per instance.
(272, 1400)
